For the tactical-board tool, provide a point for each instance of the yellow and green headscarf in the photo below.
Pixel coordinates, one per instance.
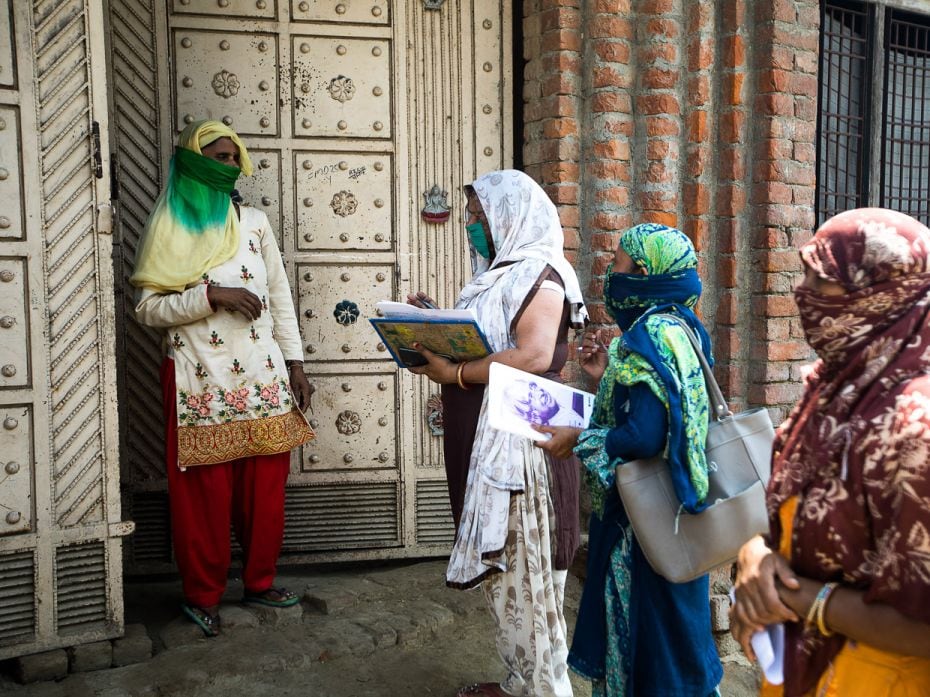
(194, 225)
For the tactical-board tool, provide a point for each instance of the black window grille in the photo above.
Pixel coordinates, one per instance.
(866, 75)
(844, 108)
(906, 135)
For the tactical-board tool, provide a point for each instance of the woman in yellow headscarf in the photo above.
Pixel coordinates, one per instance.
(211, 276)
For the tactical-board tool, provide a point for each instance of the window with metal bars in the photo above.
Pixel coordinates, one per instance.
(874, 109)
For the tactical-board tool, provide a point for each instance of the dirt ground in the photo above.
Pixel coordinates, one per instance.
(419, 638)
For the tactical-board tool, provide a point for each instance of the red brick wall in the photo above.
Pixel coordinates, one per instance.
(698, 114)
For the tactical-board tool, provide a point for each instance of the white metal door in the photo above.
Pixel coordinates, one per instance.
(60, 552)
(352, 111)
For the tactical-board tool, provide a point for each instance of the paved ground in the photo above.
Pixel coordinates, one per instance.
(364, 632)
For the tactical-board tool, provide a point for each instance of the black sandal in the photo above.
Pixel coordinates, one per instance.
(209, 624)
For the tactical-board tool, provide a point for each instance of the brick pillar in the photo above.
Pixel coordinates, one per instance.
(699, 166)
(658, 114)
(607, 148)
(732, 227)
(785, 40)
(552, 91)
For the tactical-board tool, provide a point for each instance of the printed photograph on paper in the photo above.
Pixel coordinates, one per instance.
(517, 399)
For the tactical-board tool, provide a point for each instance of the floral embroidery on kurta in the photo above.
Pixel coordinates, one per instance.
(271, 396)
(194, 408)
(232, 402)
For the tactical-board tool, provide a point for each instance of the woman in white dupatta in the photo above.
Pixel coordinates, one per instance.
(525, 293)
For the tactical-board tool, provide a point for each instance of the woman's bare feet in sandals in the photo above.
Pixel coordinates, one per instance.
(207, 618)
(272, 597)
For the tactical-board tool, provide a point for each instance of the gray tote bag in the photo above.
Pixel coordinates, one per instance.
(681, 546)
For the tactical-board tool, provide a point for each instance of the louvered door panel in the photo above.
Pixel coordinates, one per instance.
(17, 598)
(60, 552)
(80, 588)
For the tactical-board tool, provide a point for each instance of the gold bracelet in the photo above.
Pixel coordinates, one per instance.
(826, 592)
(458, 375)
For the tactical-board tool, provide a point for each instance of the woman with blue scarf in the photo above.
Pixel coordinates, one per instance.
(637, 633)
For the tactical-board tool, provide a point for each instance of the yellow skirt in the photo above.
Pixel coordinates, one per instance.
(862, 671)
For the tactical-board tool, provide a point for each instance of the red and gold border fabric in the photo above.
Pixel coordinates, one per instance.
(214, 443)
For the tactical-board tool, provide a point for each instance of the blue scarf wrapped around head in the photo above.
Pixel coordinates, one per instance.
(672, 286)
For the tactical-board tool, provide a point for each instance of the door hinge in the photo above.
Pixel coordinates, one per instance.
(98, 157)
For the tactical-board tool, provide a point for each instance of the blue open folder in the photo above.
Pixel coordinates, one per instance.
(454, 334)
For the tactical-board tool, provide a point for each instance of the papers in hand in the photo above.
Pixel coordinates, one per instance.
(517, 399)
(769, 647)
(393, 310)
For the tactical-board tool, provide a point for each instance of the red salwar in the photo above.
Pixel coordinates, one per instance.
(248, 492)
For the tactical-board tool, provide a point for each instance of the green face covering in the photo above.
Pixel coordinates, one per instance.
(478, 239)
(199, 194)
(194, 226)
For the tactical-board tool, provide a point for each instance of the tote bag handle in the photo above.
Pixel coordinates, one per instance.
(718, 402)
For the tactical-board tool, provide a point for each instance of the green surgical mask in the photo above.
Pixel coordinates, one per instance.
(478, 239)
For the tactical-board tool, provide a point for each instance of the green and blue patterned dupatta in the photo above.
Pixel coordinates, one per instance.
(656, 351)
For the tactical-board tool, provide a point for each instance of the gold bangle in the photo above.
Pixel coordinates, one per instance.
(826, 592)
(458, 375)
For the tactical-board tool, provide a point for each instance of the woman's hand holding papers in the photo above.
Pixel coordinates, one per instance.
(421, 300)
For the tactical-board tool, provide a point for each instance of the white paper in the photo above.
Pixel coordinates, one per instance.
(517, 399)
(769, 647)
(394, 310)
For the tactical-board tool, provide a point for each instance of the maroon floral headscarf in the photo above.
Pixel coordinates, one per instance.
(856, 448)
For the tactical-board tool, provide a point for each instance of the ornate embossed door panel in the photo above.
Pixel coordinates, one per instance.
(335, 302)
(229, 75)
(341, 87)
(357, 433)
(353, 111)
(344, 201)
(60, 552)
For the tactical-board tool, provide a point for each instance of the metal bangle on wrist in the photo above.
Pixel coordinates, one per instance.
(458, 375)
(815, 615)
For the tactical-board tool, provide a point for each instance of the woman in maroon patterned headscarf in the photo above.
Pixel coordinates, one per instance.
(849, 499)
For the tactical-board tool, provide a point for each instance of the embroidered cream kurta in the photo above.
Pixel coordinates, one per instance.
(233, 395)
